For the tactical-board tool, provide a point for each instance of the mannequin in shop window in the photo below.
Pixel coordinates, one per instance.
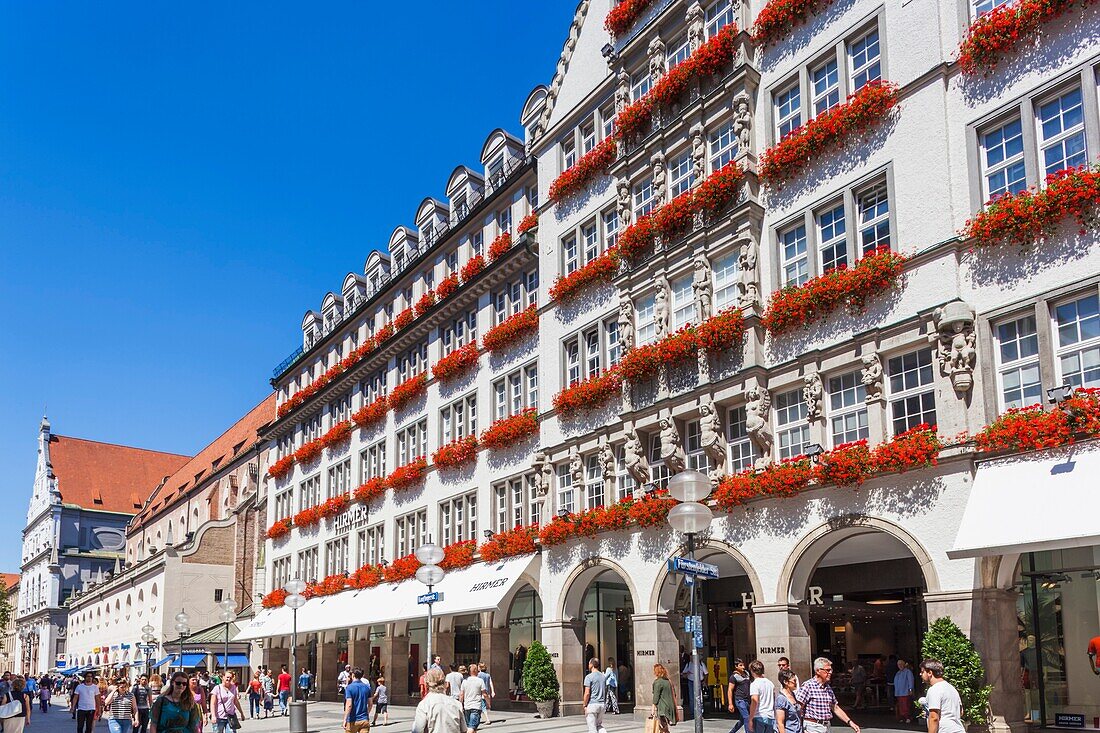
(519, 658)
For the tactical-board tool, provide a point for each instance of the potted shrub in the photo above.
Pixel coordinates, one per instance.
(540, 681)
(962, 667)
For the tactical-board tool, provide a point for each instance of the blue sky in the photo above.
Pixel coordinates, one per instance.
(178, 183)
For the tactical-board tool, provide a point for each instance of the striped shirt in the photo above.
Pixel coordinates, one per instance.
(121, 707)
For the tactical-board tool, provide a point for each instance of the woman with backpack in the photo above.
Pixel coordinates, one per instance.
(175, 711)
(16, 710)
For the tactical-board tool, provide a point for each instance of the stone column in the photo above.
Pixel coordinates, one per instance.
(359, 648)
(494, 652)
(783, 630)
(274, 657)
(655, 640)
(328, 667)
(565, 642)
(443, 644)
(395, 662)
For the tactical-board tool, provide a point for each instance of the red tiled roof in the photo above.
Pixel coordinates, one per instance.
(226, 448)
(9, 579)
(114, 478)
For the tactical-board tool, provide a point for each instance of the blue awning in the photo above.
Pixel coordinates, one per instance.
(189, 660)
(162, 662)
(235, 660)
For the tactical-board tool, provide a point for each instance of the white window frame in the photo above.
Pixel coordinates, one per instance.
(902, 391)
(792, 433)
(1079, 347)
(458, 518)
(1019, 363)
(847, 404)
(458, 419)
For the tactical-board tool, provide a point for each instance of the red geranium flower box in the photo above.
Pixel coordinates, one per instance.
(456, 362)
(274, 599)
(367, 576)
(651, 510)
(403, 319)
(427, 300)
(329, 586)
(335, 505)
(602, 269)
(590, 394)
(368, 415)
(776, 19)
(387, 330)
(309, 452)
(994, 34)
(474, 266)
(281, 467)
(447, 286)
(403, 568)
(337, 434)
(456, 453)
(721, 332)
(408, 390)
(500, 245)
(527, 223)
(459, 555)
(308, 517)
(510, 543)
(1033, 428)
(405, 476)
(593, 163)
(846, 465)
(507, 431)
(623, 15)
(370, 490)
(280, 528)
(512, 329)
(914, 448)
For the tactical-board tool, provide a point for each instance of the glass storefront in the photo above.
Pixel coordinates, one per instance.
(524, 627)
(467, 639)
(418, 653)
(1058, 618)
(608, 612)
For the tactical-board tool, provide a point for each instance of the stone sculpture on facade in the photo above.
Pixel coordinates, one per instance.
(660, 180)
(622, 92)
(576, 468)
(543, 473)
(635, 460)
(748, 289)
(871, 377)
(742, 122)
(696, 26)
(812, 393)
(698, 153)
(625, 322)
(702, 288)
(711, 439)
(672, 450)
(657, 60)
(758, 424)
(660, 308)
(622, 199)
(955, 341)
(606, 457)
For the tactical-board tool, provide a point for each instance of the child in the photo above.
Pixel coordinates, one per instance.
(381, 701)
(44, 697)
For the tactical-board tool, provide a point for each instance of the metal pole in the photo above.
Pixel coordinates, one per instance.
(225, 659)
(697, 692)
(294, 659)
(430, 658)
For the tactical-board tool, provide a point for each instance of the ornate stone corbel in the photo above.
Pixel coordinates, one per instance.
(622, 92)
(658, 60)
(660, 179)
(955, 343)
(812, 393)
(672, 450)
(871, 377)
(758, 424)
(695, 26)
(712, 441)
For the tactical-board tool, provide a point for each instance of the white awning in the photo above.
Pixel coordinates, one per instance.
(480, 587)
(1027, 503)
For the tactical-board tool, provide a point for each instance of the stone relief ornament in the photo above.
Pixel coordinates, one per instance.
(711, 439)
(657, 60)
(695, 25)
(660, 308)
(634, 457)
(622, 92)
(955, 341)
(758, 424)
(660, 180)
(698, 153)
(626, 322)
(543, 472)
(702, 288)
(622, 198)
(742, 121)
(748, 290)
(607, 460)
(871, 377)
(812, 392)
(576, 467)
(672, 451)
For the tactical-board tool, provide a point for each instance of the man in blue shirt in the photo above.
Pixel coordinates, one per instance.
(303, 683)
(357, 704)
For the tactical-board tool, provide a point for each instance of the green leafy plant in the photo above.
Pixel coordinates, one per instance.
(540, 681)
(962, 667)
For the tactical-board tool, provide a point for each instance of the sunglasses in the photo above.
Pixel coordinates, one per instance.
(180, 683)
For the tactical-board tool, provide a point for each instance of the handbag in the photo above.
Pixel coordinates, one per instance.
(651, 725)
(11, 709)
(234, 723)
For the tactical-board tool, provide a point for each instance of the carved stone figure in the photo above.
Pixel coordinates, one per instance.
(812, 392)
(871, 377)
(955, 340)
(607, 460)
(758, 424)
(711, 439)
(622, 92)
(543, 472)
(657, 60)
(625, 322)
(634, 457)
(672, 451)
(660, 308)
(702, 287)
(660, 180)
(695, 26)
(576, 467)
(698, 154)
(742, 121)
(748, 290)
(622, 199)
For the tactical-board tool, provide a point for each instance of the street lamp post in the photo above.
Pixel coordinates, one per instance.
(294, 601)
(228, 615)
(429, 573)
(183, 630)
(691, 517)
(148, 645)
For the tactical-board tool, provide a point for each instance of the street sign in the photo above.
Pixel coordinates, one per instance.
(433, 597)
(698, 634)
(693, 624)
(693, 567)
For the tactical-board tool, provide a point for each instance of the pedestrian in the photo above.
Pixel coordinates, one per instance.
(255, 695)
(903, 692)
(121, 708)
(44, 693)
(761, 700)
(611, 676)
(785, 664)
(664, 698)
(859, 684)
(422, 682)
(436, 663)
(490, 691)
(175, 710)
(202, 699)
(472, 698)
(595, 697)
(268, 684)
(738, 694)
(357, 703)
(453, 681)
(942, 700)
(86, 704)
(439, 712)
(17, 693)
(155, 685)
(818, 701)
(143, 698)
(303, 684)
(381, 702)
(343, 679)
(225, 705)
(788, 716)
(693, 674)
(284, 690)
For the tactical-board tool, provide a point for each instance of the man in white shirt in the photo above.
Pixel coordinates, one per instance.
(454, 681)
(87, 703)
(343, 679)
(942, 700)
(762, 700)
(472, 698)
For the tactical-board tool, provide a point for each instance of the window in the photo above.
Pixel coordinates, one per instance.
(458, 419)
(912, 394)
(516, 295)
(623, 479)
(645, 320)
(284, 503)
(459, 332)
(723, 146)
(413, 362)
(826, 86)
(307, 564)
(847, 409)
(718, 16)
(796, 265)
(832, 242)
(677, 50)
(727, 271)
(516, 391)
(477, 242)
(1003, 159)
(863, 60)
(285, 445)
(697, 460)
(1062, 132)
(788, 111)
(459, 209)
(1078, 351)
(280, 572)
(614, 346)
(568, 153)
(412, 442)
(590, 240)
(1018, 363)
(504, 220)
(657, 469)
(680, 173)
(572, 361)
(593, 482)
(373, 387)
(372, 461)
(610, 227)
(588, 136)
(336, 556)
(369, 547)
(737, 434)
(311, 429)
(515, 503)
(458, 519)
(874, 217)
(639, 85)
(683, 303)
(565, 489)
(981, 7)
(450, 264)
(590, 352)
(794, 432)
(570, 253)
(496, 171)
(643, 198)
(412, 532)
(309, 492)
(607, 126)
(339, 478)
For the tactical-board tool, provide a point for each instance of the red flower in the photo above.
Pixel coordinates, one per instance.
(387, 330)
(274, 599)
(721, 332)
(403, 568)
(846, 465)
(330, 586)
(403, 319)
(623, 15)
(427, 300)
(593, 163)
(308, 517)
(527, 223)
(646, 512)
(1030, 216)
(777, 480)
(650, 510)
(717, 333)
(334, 506)
(405, 476)
(370, 414)
(1033, 428)
(281, 528)
(337, 434)
(831, 129)
(776, 19)
(456, 453)
(590, 394)
(508, 431)
(455, 362)
(447, 286)
(914, 448)
(367, 576)
(799, 305)
(510, 543)
(309, 452)
(996, 33)
(370, 490)
(500, 246)
(602, 269)
(281, 467)
(408, 390)
(642, 361)
(458, 555)
(512, 329)
(470, 270)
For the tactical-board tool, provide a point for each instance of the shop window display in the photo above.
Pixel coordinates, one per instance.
(524, 627)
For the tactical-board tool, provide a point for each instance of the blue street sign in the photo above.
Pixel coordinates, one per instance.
(693, 567)
(698, 638)
(433, 597)
(693, 624)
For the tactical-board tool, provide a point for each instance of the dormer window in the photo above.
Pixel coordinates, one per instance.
(459, 208)
(427, 232)
(496, 171)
